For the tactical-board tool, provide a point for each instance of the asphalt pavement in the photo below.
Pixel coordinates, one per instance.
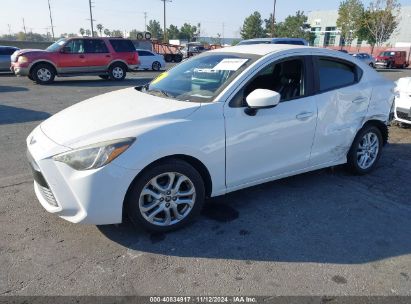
(321, 233)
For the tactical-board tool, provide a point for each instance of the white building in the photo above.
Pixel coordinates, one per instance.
(323, 24)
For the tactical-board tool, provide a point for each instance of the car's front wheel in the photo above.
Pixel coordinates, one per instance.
(365, 150)
(117, 72)
(43, 73)
(166, 197)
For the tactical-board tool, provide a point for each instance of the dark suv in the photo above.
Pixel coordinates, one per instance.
(109, 58)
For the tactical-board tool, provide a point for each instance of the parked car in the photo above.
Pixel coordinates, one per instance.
(222, 121)
(293, 41)
(105, 57)
(5, 57)
(402, 108)
(391, 59)
(150, 60)
(366, 58)
(192, 49)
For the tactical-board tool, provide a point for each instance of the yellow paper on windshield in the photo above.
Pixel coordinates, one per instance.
(160, 77)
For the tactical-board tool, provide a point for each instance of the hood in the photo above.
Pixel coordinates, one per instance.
(118, 112)
(31, 51)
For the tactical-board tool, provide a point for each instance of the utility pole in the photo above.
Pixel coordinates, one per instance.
(24, 28)
(165, 26)
(223, 33)
(51, 20)
(273, 21)
(9, 29)
(91, 18)
(145, 21)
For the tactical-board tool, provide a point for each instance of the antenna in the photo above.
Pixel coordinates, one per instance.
(51, 21)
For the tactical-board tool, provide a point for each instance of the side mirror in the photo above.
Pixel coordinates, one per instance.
(261, 99)
(66, 49)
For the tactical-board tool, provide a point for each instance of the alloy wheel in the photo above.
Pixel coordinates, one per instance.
(44, 74)
(118, 72)
(167, 199)
(367, 151)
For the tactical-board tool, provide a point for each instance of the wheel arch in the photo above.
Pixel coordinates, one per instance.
(42, 61)
(118, 61)
(381, 126)
(195, 162)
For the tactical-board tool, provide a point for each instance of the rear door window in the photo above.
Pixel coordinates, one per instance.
(145, 53)
(122, 45)
(335, 74)
(95, 46)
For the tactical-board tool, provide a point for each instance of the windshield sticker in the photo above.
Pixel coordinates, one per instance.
(230, 64)
(160, 77)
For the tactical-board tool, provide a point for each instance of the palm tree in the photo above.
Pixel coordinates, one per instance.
(82, 31)
(107, 32)
(100, 28)
(88, 32)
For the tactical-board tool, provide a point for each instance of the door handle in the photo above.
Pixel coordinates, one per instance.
(304, 115)
(108, 56)
(360, 99)
(81, 56)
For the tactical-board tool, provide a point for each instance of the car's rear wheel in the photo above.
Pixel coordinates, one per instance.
(365, 150)
(156, 66)
(43, 73)
(166, 197)
(117, 72)
(105, 77)
(371, 65)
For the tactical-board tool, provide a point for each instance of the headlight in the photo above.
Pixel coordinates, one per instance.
(94, 156)
(22, 59)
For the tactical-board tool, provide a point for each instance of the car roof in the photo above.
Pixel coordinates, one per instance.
(8, 47)
(260, 49)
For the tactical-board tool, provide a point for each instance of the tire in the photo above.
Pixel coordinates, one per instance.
(371, 65)
(165, 201)
(178, 58)
(105, 77)
(43, 73)
(369, 150)
(168, 57)
(117, 72)
(156, 66)
(31, 78)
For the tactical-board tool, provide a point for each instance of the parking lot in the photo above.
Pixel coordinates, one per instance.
(320, 233)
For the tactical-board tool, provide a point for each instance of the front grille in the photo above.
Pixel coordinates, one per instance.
(48, 196)
(403, 115)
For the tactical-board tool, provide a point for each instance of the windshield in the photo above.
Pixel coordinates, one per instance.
(56, 45)
(201, 78)
(387, 54)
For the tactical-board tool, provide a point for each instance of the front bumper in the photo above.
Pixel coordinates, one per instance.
(381, 64)
(87, 197)
(19, 70)
(403, 115)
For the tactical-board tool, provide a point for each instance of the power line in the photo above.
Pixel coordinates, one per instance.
(51, 20)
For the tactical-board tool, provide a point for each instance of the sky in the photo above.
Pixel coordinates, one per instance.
(216, 16)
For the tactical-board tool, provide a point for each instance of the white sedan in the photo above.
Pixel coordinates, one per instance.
(150, 60)
(222, 121)
(402, 109)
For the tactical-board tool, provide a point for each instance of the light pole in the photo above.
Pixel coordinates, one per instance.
(51, 21)
(273, 21)
(165, 26)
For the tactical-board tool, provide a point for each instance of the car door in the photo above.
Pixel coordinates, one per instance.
(97, 55)
(72, 57)
(275, 141)
(342, 102)
(142, 56)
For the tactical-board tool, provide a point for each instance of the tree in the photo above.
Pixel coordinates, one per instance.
(116, 33)
(82, 31)
(269, 25)
(350, 14)
(187, 32)
(107, 32)
(154, 28)
(294, 27)
(253, 27)
(379, 21)
(100, 28)
(88, 32)
(173, 32)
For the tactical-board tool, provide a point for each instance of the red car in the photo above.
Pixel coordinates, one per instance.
(109, 58)
(391, 59)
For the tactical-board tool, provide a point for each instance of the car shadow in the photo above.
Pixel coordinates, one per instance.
(11, 115)
(9, 89)
(325, 216)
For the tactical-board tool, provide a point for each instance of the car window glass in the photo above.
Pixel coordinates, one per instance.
(95, 46)
(334, 74)
(74, 46)
(7, 51)
(122, 45)
(285, 77)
